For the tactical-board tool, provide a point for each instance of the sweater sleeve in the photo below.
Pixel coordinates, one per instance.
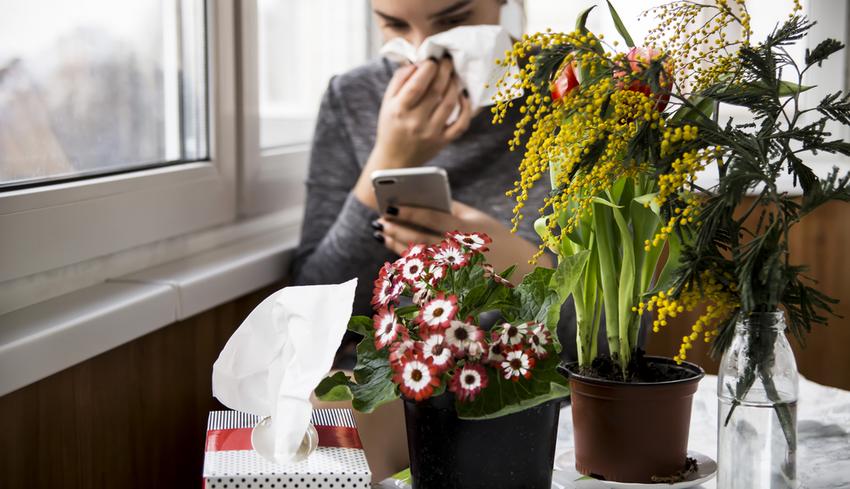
(336, 236)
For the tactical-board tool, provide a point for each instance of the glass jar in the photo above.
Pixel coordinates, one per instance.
(757, 407)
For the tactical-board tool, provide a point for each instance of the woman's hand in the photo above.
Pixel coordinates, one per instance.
(412, 125)
(403, 226)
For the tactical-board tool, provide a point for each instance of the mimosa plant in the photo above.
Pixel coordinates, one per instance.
(622, 137)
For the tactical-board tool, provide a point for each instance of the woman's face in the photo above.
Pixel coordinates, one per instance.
(414, 20)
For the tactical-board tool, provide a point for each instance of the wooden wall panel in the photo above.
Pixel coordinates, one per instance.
(132, 417)
(822, 241)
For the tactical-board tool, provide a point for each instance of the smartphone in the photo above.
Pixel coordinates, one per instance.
(425, 186)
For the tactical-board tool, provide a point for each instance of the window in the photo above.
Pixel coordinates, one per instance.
(299, 50)
(117, 130)
(290, 49)
(95, 87)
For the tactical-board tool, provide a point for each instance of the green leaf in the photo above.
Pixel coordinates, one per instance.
(362, 325)
(508, 272)
(503, 397)
(600, 200)
(564, 282)
(626, 288)
(642, 200)
(609, 271)
(581, 20)
(407, 312)
(334, 388)
(532, 295)
(620, 27)
(541, 227)
(787, 89)
(373, 376)
(822, 51)
(674, 252)
(404, 476)
(699, 108)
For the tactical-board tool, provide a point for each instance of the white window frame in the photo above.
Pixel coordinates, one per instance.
(52, 226)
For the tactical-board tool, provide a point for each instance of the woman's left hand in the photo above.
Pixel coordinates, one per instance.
(403, 226)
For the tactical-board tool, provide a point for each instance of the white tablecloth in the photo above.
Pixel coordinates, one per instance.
(823, 433)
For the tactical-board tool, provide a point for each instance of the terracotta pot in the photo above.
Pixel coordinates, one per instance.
(630, 432)
(513, 451)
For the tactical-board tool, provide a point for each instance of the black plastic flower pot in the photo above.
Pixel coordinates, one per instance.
(513, 451)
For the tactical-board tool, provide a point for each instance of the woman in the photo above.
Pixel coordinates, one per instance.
(382, 116)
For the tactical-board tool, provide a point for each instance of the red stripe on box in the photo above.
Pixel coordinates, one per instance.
(240, 438)
(229, 439)
(338, 436)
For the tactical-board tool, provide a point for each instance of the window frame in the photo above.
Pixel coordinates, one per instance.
(55, 225)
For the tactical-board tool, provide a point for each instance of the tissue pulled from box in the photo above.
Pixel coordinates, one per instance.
(474, 50)
(280, 353)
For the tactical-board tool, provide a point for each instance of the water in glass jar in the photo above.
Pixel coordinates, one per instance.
(753, 450)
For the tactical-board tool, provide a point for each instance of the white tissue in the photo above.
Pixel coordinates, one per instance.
(474, 50)
(280, 353)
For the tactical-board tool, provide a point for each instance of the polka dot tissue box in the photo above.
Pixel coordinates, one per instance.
(230, 462)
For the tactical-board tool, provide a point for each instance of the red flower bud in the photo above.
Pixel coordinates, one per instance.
(639, 59)
(566, 81)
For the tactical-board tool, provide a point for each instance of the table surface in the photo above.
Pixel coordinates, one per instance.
(823, 433)
(823, 456)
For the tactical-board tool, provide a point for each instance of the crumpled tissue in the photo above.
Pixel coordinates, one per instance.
(474, 50)
(280, 353)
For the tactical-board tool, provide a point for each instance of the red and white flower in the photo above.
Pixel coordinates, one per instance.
(513, 334)
(435, 273)
(416, 376)
(490, 273)
(495, 353)
(468, 381)
(412, 269)
(387, 327)
(450, 254)
(461, 335)
(402, 348)
(422, 293)
(518, 363)
(388, 287)
(415, 250)
(477, 350)
(473, 241)
(434, 347)
(438, 312)
(538, 339)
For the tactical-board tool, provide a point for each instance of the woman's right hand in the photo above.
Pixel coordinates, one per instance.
(412, 123)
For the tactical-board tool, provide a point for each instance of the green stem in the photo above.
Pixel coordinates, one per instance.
(626, 289)
(602, 223)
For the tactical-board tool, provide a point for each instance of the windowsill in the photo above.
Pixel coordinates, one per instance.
(44, 338)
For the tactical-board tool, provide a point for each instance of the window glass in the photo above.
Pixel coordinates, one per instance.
(89, 87)
(301, 45)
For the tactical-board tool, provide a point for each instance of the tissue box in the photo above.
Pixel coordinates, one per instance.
(231, 462)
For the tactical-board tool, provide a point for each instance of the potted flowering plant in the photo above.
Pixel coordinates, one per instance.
(481, 403)
(622, 136)
(599, 124)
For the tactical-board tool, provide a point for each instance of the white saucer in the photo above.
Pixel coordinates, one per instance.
(566, 473)
(262, 439)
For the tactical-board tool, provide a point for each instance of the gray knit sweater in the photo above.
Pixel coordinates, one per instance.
(336, 240)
